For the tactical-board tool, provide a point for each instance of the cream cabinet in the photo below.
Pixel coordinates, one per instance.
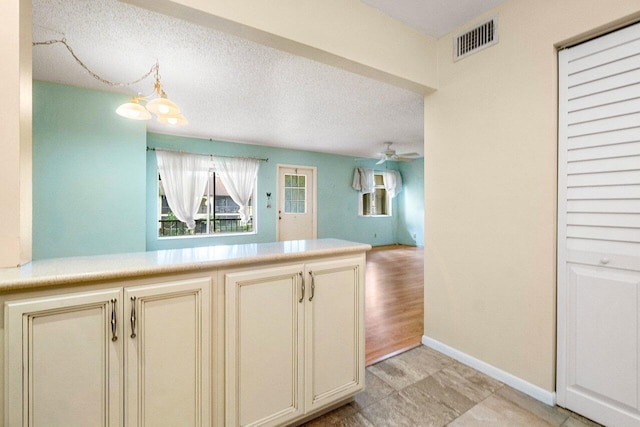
(134, 356)
(64, 360)
(294, 340)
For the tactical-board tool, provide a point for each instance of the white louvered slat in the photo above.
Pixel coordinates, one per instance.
(604, 98)
(604, 206)
(604, 165)
(613, 82)
(608, 178)
(605, 138)
(612, 68)
(606, 151)
(581, 61)
(602, 248)
(604, 125)
(604, 193)
(604, 219)
(615, 234)
(605, 111)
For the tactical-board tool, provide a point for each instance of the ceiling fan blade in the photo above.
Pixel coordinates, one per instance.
(381, 161)
(404, 159)
(408, 154)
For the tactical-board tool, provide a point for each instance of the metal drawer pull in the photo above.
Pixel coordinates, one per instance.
(114, 321)
(302, 286)
(313, 286)
(133, 317)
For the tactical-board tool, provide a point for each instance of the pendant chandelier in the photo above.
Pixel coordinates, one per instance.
(141, 107)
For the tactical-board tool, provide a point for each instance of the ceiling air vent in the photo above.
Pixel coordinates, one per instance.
(475, 39)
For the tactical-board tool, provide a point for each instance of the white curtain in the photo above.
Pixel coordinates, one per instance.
(363, 180)
(392, 182)
(184, 178)
(238, 174)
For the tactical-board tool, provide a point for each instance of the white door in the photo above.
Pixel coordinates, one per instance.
(599, 228)
(296, 202)
(64, 358)
(334, 337)
(264, 336)
(167, 349)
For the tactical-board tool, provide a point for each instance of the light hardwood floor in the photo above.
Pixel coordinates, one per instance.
(394, 300)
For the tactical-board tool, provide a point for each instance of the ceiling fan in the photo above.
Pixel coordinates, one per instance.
(390, 155)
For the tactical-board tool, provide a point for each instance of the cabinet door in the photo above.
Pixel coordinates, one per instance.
(63, 360)
(263, 338)
(334, 338)
(167, 354)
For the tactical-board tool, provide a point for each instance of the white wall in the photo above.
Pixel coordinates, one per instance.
(490, 187)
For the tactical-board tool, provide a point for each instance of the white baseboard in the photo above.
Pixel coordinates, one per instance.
(526, 387)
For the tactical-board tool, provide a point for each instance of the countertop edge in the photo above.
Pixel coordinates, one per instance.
(75, 278)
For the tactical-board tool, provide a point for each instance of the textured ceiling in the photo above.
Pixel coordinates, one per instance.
(434, 18)
(229, 88)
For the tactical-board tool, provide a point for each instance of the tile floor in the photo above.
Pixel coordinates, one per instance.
(425, 388)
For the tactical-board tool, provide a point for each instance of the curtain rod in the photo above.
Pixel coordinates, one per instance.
(209, 154)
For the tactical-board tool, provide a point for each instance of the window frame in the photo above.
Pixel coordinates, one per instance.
(389, 200)
(208, 193)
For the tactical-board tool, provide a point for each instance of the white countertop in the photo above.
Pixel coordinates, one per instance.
(60, 271)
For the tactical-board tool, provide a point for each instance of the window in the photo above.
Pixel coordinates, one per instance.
(377, 203)
(295, 193)
(218, 213)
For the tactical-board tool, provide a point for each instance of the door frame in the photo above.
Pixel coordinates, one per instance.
(561, 242)
(279, 195)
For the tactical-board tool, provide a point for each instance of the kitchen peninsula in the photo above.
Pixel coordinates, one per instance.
(255, 334)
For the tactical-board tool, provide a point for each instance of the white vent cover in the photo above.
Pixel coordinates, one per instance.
(476, 39)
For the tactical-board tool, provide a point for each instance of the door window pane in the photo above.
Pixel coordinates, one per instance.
(295, 193)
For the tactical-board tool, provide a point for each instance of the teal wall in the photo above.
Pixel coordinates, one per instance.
(95, 185)
(411, 204)
(88, 174)
(337, 201)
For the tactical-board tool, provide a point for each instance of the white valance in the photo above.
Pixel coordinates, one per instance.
(363, 180)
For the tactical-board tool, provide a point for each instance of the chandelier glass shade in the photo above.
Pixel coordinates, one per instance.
(162, 106)
(173, 120)
(133, 110)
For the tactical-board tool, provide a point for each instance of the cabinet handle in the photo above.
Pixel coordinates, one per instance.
(301, 286)
(313, 286)
(133, 317)
(114, 321)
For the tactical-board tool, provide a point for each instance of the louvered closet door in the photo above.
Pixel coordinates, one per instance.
(599, 228)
